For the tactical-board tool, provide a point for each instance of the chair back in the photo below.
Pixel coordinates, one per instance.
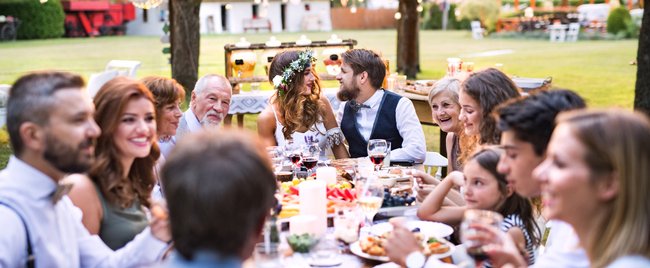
(572, 33)
(434, 159)
(124, 67)
(477, 31)
(96, 81)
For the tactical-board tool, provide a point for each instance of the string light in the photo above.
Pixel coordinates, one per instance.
(398, 15)
(146, 4)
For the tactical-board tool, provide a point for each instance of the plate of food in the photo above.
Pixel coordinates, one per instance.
(371, 247)
(427, 228)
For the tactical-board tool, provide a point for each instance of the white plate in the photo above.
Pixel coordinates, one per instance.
(451, 250)
(356, 250)
(428, 228)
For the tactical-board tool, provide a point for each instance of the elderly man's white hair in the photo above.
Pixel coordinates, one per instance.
(203, 82)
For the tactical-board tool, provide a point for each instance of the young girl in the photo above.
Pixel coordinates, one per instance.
(485, 189)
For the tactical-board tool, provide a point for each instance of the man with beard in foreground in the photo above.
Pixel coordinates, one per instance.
(209, 105)
(370, 112)
(52, 132)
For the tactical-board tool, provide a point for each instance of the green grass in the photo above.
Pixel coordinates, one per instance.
(597, 70)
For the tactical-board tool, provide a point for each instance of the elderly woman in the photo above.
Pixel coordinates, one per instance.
(445, 110)
(298, 110)
(168, 95)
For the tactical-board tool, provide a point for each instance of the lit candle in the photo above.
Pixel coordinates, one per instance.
(326, 174)
(313, 201)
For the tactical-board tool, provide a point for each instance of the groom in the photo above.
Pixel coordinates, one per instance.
(370, 112)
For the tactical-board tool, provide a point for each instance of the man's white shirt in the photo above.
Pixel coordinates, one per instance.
(58, 237)
(407, 122)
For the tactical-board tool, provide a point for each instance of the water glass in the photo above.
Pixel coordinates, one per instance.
(267, 256)
(346, 223)
(472, 217)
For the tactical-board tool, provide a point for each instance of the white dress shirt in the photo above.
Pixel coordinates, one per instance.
(408, 124)
(58, 237)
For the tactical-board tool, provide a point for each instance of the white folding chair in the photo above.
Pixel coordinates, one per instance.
(477, 31)
(434, 159)
(124, 67)
(96, 81)
(572, 33)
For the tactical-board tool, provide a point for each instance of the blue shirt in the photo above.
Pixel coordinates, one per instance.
(203, 258)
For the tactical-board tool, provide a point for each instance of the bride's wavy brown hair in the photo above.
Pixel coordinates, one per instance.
(107, 171)
(295, 109)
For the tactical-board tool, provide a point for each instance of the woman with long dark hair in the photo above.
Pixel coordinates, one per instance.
(298, 110)
(117, 189)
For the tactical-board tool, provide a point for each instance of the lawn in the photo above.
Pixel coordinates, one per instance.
(598, 70)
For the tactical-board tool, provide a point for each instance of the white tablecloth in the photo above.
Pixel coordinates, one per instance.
(255, 102)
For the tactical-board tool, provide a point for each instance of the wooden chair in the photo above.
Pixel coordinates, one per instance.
(434, 159)
(124, 67)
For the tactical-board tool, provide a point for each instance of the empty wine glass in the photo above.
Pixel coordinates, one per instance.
(377, 149)
(472, 217)
(277, 157)
(310, 154)
(370, 194)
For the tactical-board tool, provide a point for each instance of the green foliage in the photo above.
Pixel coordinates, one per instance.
(38, 21)
(432, 18)
(485, 11)
(618, 20)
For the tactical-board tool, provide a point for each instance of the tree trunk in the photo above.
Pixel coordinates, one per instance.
(408, 56)
(185, 42)
(565, 3)
(642, 90)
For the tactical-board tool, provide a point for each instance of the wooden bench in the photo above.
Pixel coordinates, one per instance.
(257, 24)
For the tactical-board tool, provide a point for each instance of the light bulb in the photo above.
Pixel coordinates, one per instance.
(146, 4)
(398, 15)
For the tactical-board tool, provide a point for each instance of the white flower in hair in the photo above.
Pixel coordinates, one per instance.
(277, 81)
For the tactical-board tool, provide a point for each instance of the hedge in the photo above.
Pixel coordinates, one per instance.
(37, 21)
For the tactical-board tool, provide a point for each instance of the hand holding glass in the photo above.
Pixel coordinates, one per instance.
(473, 217)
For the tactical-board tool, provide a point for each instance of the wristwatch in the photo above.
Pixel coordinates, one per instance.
(415, 260)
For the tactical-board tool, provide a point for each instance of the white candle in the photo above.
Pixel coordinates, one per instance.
(326, 174)
(313, 201)
(302, 224)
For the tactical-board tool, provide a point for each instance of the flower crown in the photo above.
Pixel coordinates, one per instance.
(281, 82)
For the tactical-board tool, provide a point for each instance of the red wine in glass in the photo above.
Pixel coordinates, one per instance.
(477, 253)
(377, 159)
(295, 158)
(310, 162)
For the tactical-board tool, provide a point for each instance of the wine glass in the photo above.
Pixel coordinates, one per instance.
(310, 155)
(292, 152)
(377, 149)
(277, 157)
(370, 194)
(472, 217)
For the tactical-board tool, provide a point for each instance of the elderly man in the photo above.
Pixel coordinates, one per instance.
(52, 133)
(217, 208)
(374, 113)
(209, 105)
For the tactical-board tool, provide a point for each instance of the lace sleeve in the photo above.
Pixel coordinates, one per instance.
(334, 137)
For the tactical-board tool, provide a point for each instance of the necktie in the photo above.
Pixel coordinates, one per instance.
(62, 189)
(357, 106)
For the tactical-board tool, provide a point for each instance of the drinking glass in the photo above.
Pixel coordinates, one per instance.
(310, 155)
(292, 152)
(370, 194)
(476, 216)
(377, 149)
(277, 157)
(346, 223)
(267, 256)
